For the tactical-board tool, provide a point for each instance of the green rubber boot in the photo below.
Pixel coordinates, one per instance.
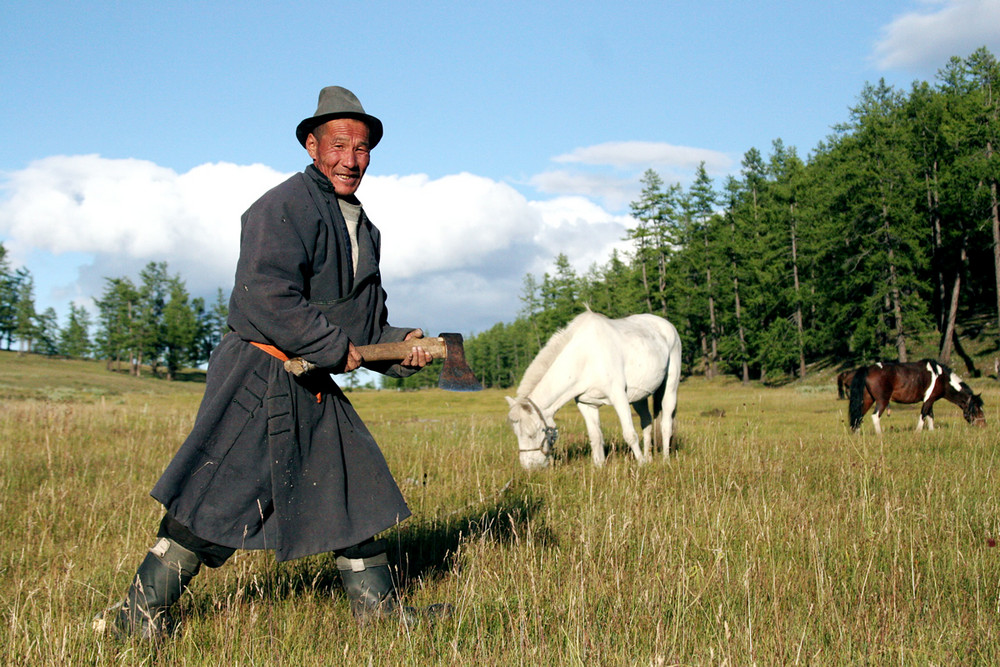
(369, 584)
(158, 583)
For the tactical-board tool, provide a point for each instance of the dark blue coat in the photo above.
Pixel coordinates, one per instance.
(268, 465)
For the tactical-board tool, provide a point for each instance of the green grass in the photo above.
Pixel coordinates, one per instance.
(771, 536)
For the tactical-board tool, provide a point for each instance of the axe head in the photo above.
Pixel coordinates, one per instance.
(456, 374)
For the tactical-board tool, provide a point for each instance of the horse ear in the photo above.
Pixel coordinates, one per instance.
(510, 401)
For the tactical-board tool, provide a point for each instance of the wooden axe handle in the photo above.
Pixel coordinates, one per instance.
(399, 351)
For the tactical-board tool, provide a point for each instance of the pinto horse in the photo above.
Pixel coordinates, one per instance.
(599, 361)
(923, 382)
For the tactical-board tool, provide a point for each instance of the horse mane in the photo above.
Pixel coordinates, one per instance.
(946, 371)
(973, 400)
(537, 368)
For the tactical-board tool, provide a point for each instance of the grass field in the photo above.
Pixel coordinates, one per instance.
(771, 536)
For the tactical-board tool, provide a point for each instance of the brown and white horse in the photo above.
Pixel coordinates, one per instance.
(923, 382)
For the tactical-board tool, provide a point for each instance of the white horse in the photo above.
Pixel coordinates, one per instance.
(599, 361)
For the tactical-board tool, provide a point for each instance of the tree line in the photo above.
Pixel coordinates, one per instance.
(153, 323)
(888, 232)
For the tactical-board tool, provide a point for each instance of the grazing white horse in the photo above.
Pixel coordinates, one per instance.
(599, 361)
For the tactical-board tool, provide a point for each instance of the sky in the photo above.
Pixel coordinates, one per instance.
(137, 132)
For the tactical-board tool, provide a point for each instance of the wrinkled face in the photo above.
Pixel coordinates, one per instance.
(339, 149)
(535, 449)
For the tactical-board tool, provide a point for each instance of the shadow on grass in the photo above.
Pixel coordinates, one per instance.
(429, 548)
(576, 446)
(424, 548)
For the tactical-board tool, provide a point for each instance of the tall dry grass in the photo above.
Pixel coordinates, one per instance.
(771, 536)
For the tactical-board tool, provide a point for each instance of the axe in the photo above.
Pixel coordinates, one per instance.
(455, 374)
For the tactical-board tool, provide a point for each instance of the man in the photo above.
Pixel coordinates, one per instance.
(279, 460)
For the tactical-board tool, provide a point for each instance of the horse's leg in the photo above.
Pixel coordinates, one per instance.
(880, 407)
(646, 421)
(926, 416)
(622, 409)
(666, 399)
(866, 402)
(592, 419)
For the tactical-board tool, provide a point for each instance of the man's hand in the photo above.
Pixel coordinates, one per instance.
(354, 359)
(418, 356)
(299, 366)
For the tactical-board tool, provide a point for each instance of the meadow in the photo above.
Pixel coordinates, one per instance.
(770, 536)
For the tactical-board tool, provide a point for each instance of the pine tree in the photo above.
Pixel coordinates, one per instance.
(974, 85)
(149, 337)
(786, 171)
(8, 299)
(117, 312)
(739, 356)
(47, 328)
(655, 237)
(179, 329)
(702, 198)
(559, 296)
(74, 339)
(881, 197)
(25, 317)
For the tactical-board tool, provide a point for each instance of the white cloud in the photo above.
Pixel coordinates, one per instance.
(581, 230)
(454, 249)
(125, 213)
(87, 203)
(454, 222)
(926, 38)
(603, 164)
(616, 193)
(647, 154)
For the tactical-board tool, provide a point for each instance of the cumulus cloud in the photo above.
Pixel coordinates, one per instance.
(454, 250)
(647, 154)
(488, 289)
(611, 172)
(926, 38)
(126, 213)
(615, 192)
(454, 222)
(579, 229)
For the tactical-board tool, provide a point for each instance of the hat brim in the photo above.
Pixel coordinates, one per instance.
(311, 123)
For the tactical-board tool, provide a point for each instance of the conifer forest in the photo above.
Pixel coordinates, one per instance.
(885, 234)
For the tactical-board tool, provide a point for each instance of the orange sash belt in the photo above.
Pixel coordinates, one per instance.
(270, 349)
(278, 354)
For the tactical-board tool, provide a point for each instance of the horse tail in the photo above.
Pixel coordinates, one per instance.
(658, 415)
(840, 386)
(857, 401)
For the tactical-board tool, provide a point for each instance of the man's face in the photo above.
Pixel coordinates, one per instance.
(341, 153)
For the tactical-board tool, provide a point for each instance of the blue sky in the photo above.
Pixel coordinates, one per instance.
(140, 131)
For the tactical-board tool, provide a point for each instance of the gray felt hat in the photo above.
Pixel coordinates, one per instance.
(337, 102)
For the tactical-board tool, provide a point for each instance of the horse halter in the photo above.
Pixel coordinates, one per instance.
(551, 432)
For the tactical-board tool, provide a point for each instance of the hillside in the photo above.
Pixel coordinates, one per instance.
(41, 377)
